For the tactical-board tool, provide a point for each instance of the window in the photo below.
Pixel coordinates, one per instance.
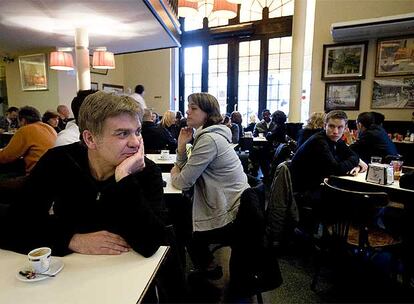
(249, 72)
(217, 74)
(245, 66)
(278, 78)
(192, 72)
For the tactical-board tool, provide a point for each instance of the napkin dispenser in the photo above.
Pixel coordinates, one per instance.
(380, 174)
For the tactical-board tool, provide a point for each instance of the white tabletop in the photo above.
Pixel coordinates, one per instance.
(84, 279)
(156, 158)
(259, 139)
(360, 178)
(169, 189)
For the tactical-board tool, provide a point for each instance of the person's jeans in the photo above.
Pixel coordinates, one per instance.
(198, 247)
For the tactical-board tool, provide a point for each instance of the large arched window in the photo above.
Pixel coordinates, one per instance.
(246, 65)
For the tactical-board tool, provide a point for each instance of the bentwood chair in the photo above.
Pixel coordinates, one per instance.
(349, 222)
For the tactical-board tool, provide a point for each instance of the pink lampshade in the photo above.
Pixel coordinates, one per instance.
(62, 61)
(187, 8)
(103, 60)
(224, 9)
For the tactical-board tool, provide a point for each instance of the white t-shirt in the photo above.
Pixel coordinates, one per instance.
(69, 135)
(139, 99)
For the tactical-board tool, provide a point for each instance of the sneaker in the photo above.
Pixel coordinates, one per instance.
(213, 274)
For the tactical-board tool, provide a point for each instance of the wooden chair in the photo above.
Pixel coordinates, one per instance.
(348, 220)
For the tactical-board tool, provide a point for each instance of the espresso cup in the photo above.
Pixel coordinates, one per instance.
(261, 135)
(165, 154)
(39, 259)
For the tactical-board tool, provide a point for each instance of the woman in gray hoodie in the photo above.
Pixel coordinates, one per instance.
(216, 173)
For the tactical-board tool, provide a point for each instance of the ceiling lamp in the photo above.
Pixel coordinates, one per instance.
(102, 59)
(61, 59)
(187, 8)
(235, 1)
(224, 9)
(207, 8)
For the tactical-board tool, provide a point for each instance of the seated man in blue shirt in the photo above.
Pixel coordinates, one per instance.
(372, 139)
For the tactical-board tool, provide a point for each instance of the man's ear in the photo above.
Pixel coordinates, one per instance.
(89, 139)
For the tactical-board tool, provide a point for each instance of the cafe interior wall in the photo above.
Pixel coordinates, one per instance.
(331, 11)
(41, 100)
(152, 69)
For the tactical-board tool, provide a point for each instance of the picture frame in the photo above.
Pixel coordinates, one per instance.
(344, 61)
(342, 95)
(33, 73)
(94, 86)
(393, 93)
(96, 71)
(113, 88)
(395, 57)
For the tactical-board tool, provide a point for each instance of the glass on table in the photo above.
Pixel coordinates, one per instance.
(397, 167)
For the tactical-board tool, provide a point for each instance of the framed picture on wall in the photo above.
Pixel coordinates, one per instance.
(113, 88)
(342, 95)
(395, 57)
(94, 86)
(344, 61)
(393, 93)
(33, 72)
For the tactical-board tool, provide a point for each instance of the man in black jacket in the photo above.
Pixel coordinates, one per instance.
(322, 155)
(372, 139)
(108, 201)
(156, 137)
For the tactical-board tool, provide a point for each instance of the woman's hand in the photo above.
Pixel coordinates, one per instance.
(363, 166)
(132, 164)
(186, 135)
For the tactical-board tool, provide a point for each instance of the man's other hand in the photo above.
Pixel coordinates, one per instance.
(101, 242)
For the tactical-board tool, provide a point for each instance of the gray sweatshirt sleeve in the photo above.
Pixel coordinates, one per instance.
(204, 152)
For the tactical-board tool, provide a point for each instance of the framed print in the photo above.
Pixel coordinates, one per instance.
(96, 71)
(344, 61)
(113, 88)
(395, 57)
(342, 95)
(33, 72)
(393, 93)
(94, 86)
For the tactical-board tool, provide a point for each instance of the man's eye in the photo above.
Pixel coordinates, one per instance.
(138, 132)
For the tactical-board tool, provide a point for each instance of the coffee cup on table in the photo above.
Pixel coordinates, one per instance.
(39, 259)
(261, 135)
(165, 154)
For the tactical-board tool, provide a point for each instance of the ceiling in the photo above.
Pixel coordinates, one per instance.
(123, 26)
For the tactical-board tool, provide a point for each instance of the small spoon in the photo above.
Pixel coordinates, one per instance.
(31, 275)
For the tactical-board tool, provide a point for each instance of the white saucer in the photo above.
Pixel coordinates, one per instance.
(56, 265)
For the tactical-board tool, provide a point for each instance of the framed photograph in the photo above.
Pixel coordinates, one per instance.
(393, 93)
(94, 86)
(113, 88)
(395, 57)
(342, 95)
(33, 72)
(344, 61)
(96, 71)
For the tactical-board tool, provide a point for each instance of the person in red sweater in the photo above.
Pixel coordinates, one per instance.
(30, 141)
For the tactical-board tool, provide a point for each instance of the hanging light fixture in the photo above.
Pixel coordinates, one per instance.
(207, 8)
(102, 59)
(187, 8)
(61, 59)
(224, 9)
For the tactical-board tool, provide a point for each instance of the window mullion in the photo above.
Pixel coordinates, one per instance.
(264, 63)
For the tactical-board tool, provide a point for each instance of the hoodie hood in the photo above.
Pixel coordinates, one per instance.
(218, 129)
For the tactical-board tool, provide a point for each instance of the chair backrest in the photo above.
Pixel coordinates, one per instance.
(342, 207)
(283, 153)
(246, 143)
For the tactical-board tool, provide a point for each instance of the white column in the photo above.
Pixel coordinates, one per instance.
(83, 74)
(298, 42)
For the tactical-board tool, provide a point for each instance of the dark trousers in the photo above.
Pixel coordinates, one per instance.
(198, 247)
